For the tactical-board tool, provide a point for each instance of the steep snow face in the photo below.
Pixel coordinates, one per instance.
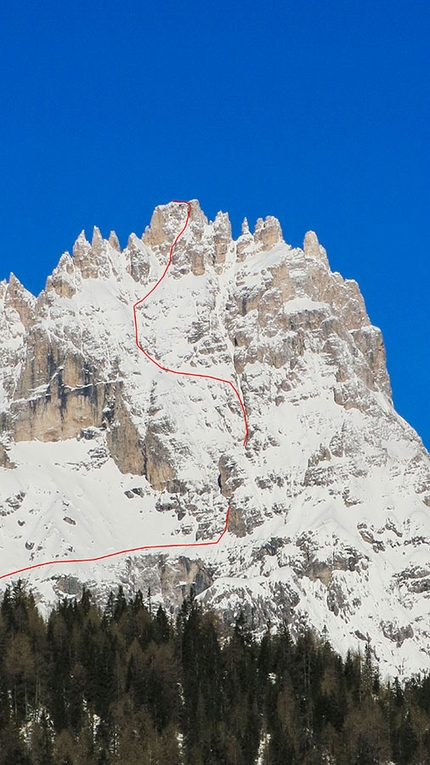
(102, 451)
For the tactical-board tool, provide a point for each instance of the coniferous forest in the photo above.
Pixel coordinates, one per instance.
(128, 685)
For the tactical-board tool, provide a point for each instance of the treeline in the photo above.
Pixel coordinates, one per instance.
(127, 685)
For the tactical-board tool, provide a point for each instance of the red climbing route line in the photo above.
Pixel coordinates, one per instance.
(121, 552)
(174, 372)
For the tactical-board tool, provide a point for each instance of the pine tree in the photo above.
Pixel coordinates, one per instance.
(161, 626)
(64, 748)
(19, 667)
(41, 742)
(12, 748)
(407, 740)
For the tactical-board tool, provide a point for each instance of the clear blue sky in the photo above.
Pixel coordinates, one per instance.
(316, 112)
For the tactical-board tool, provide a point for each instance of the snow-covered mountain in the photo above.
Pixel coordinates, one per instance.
(101, 451)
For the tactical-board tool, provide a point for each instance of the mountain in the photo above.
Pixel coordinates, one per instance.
(102, 451)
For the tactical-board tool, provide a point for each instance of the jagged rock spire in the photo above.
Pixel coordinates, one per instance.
(245, 226)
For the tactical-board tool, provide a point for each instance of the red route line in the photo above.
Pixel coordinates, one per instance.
(121, 552)
(175, 372)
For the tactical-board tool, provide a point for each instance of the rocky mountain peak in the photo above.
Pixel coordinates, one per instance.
(114, 241)
(328, 500)
(16, 297)
(63, 280)
(97, 242)
(80, 247)
(268, 233)
(313, 249)
(221, 236)
(245, 226)
(166, 222)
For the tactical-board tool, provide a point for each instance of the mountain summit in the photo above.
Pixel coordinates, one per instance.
(101, 451)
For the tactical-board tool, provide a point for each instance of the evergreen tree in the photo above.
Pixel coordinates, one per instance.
(64, 748)
(41, 742)
(19, 668)
(12, 748)
(407, 740)
(161, 626)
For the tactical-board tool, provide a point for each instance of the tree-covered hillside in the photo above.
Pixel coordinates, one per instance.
(127, 685)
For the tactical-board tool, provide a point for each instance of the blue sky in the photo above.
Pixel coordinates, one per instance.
(316, 112)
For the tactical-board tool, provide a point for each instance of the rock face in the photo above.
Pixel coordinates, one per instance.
(100, 450)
